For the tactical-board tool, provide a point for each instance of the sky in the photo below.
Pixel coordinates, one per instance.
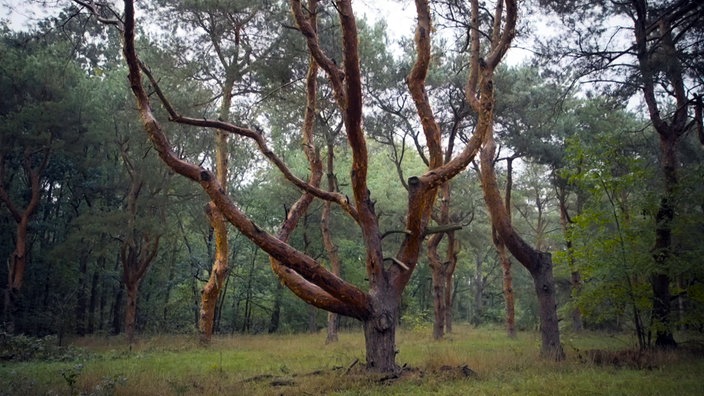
(399, 16)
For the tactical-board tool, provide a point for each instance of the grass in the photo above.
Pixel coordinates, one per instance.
(303, 364)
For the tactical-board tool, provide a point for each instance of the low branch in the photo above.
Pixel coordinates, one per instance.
(442, 229)
(397, 262)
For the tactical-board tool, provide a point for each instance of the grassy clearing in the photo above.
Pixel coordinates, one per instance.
(303, 364)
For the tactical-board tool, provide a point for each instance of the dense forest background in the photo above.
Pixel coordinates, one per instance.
(107, 225)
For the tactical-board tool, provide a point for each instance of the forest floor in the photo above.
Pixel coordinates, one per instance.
(477, 361)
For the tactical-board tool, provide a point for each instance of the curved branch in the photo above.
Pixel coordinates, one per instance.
(500, 47)
(174, 116)
(335, 74)
(416, 84)
(303, 264)
(316, 296)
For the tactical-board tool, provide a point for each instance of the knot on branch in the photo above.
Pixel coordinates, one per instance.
(205, 176)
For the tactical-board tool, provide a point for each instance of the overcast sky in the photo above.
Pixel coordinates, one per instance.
(399, 15)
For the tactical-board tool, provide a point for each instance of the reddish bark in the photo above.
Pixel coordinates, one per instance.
(442, 270)
(480, 96)
(504, 259)
(17, 262)
(328, 244)
(220, 268)
(138, 247)
(538, 264)
(377, 308)
(507, 282)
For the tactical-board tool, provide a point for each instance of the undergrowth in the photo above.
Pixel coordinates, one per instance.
(477, 361)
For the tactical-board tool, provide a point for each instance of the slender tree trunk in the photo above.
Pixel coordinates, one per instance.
(81, 298)
(453, 248)
(575, 276)
(439, 308)
(131, 309)
(17, 262)
(276, 311)
(218, 274)
(15, 274)
(116, 310)
(312, 319)
(576, 313)
(449, 294)
(93, 302)
(220, 269)
(442, 271)
(504, 259)
(169, 285)
(478, 291)
(332, 328)
(328, 244)
(509, 298)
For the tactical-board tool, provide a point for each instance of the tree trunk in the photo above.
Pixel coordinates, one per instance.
(478, 291)
(131, 309)
(15, 274)
(312, 319)
(93, 301)
(507, 278)
(169, 285)
(575, 276)
(662, 251)
(545, 290)
(220, 269)
(17, 262)
(276, 311)
(453, 248)
(116, 310)
(539, 264)
(649, 44)
(328, 244)
(576, 313)
(448, 302)
(509, 298)
(333, 327)
(218, 274)
(439, 308)
(81, 298)
(380, 334)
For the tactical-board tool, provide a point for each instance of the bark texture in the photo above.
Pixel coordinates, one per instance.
(538, 264)
(653, 29)
(307, 278)
(17, 262)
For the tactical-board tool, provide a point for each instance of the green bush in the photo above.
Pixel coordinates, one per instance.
(23, 348)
